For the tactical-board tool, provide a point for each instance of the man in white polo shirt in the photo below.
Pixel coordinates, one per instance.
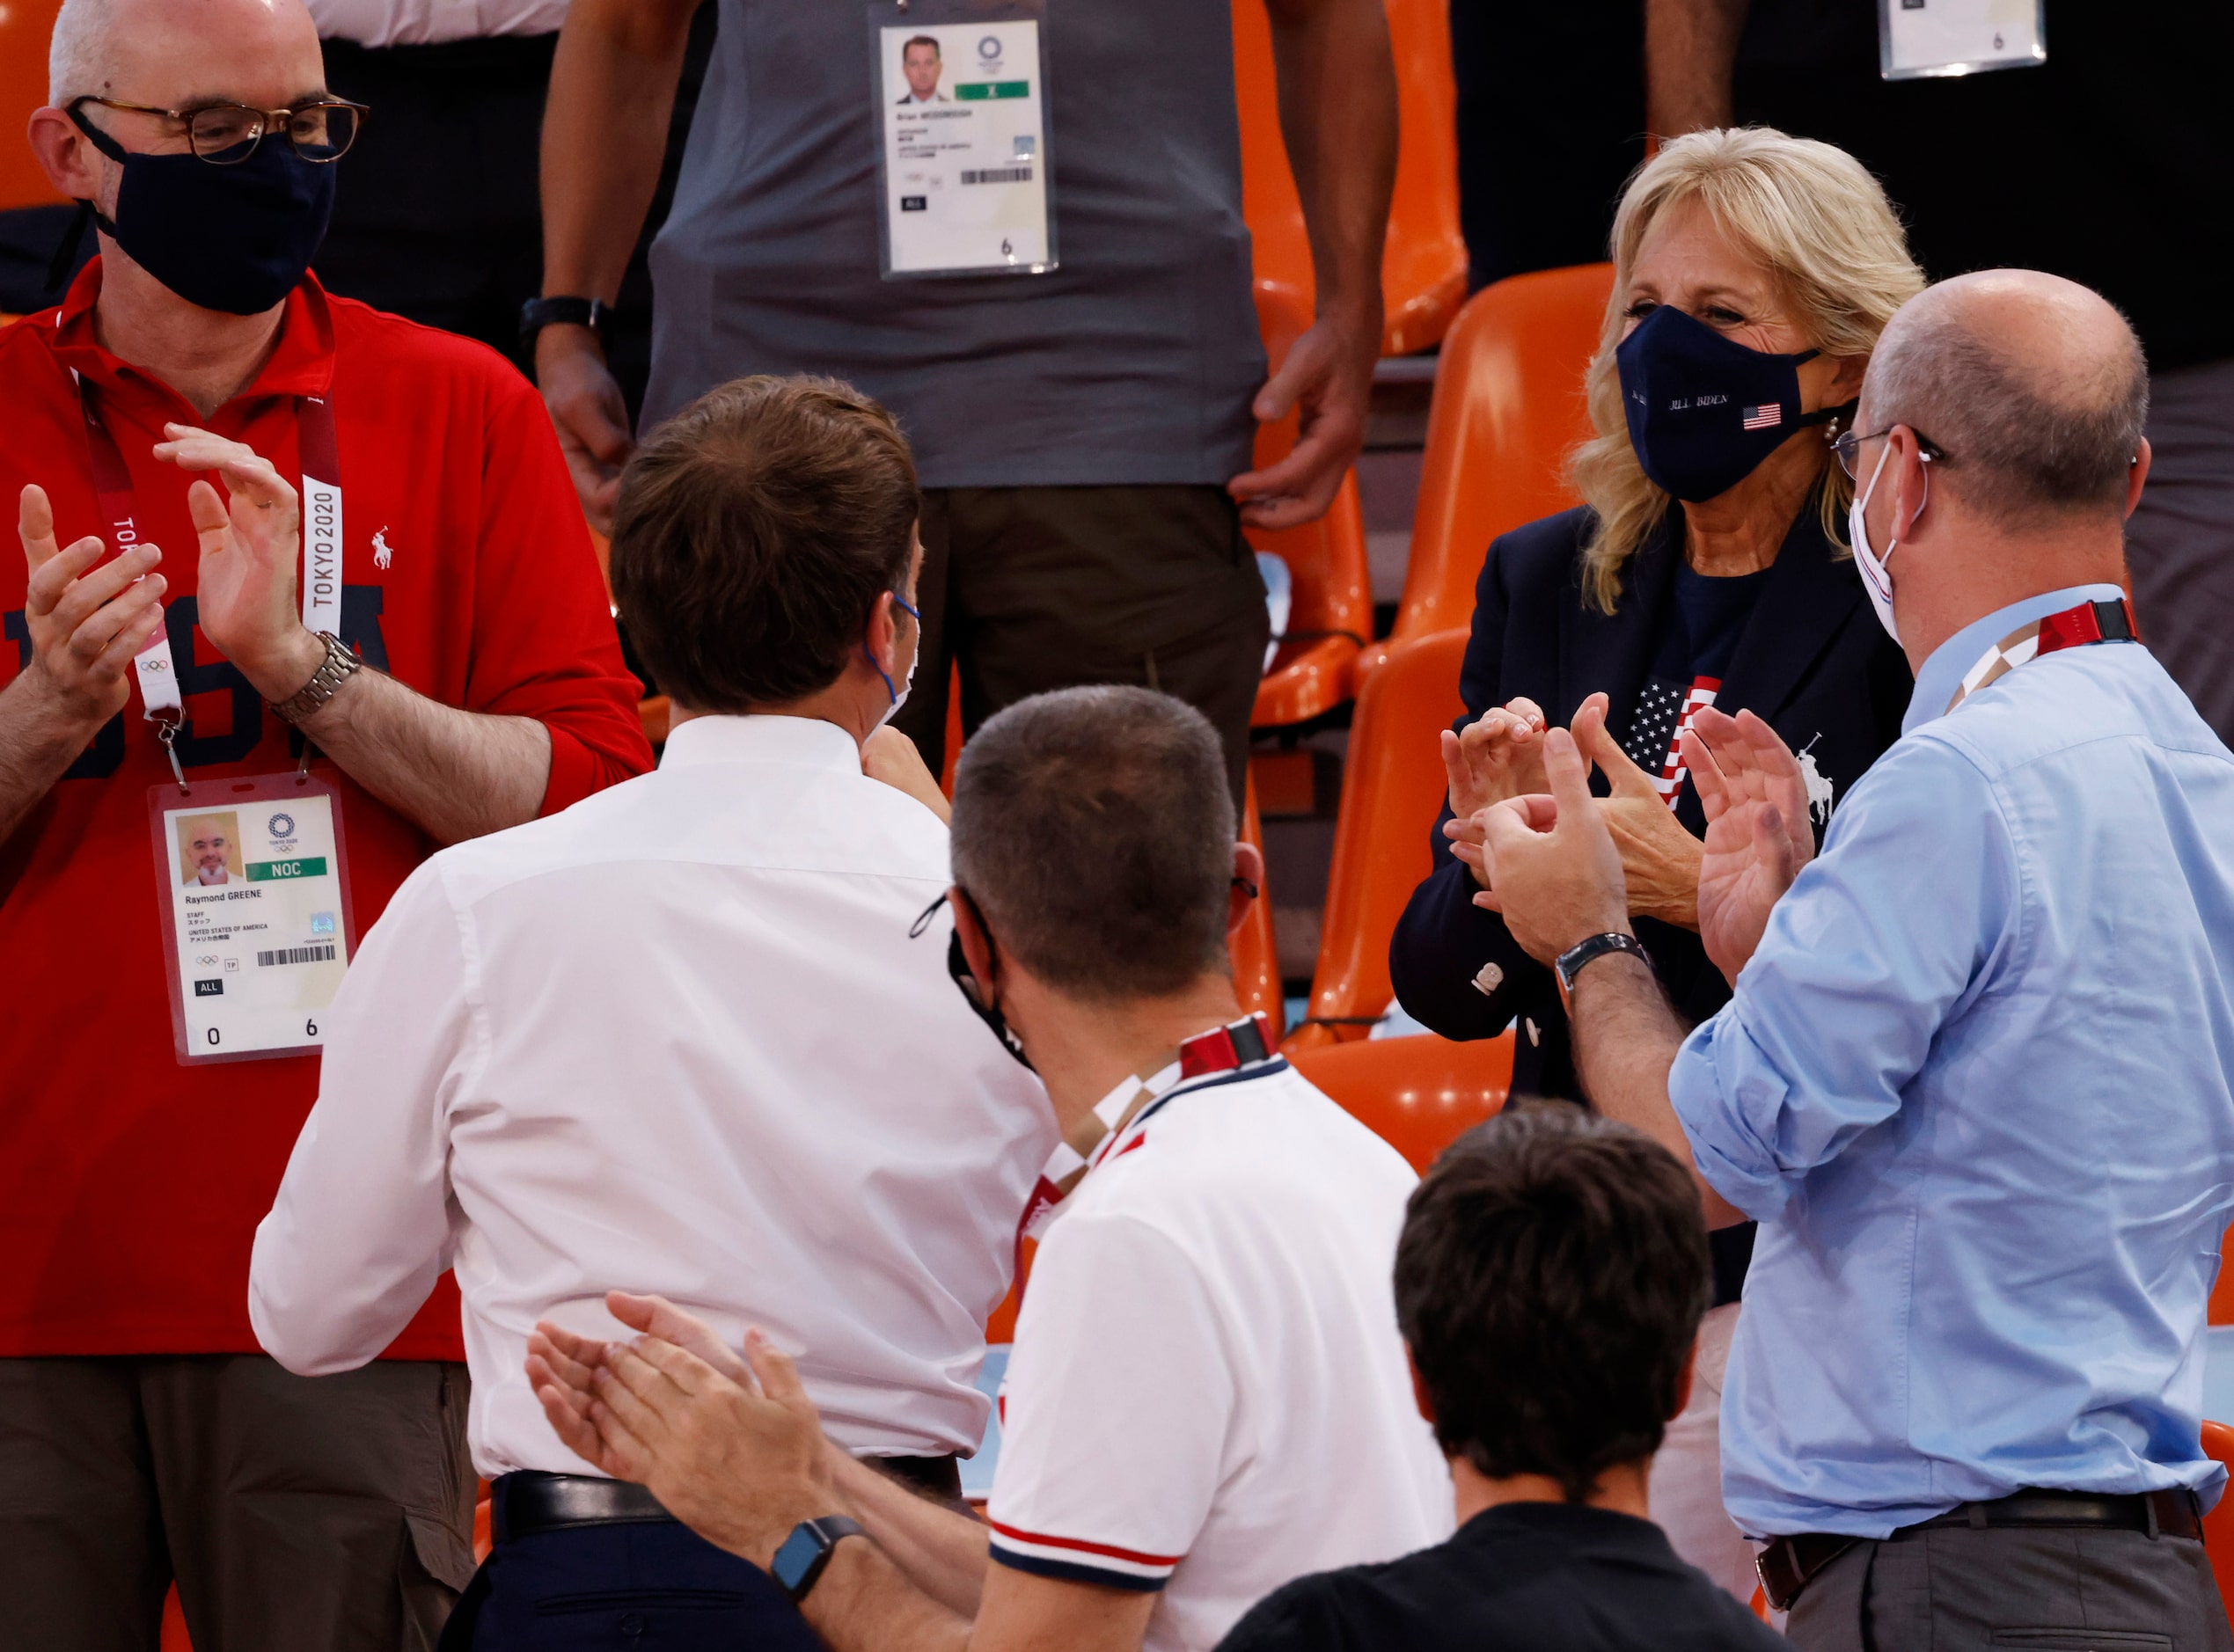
(682, 1038)
(1208, 1396)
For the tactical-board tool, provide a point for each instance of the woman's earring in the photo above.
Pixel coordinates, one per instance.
(1830, 433)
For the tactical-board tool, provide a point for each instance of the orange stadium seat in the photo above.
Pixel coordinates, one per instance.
(2222, 1302)
(24, 26)
(1423, 270)
(1508, 410)
(1418, 1094)
(1330, 617)
(1391, 788)
(2218, 1524)
(1257, 964)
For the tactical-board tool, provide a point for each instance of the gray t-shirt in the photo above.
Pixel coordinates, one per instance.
(1134, 363)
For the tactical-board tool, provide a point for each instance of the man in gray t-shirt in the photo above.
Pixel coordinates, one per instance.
(1083, 436)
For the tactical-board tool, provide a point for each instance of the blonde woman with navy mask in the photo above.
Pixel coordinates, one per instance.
(1752, 275)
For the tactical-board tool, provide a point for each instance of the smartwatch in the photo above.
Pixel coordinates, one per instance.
(799, 1563)
(538, 313)
(1569, 964)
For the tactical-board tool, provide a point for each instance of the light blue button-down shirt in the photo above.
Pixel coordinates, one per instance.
(1977, 1086)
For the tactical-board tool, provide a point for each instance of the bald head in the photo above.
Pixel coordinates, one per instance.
(2033, 387)
(173, 53)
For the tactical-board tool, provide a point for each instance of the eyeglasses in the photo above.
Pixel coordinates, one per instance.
(1849, 448)
(227, 133)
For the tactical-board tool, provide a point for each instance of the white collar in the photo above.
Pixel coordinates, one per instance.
(805, 742)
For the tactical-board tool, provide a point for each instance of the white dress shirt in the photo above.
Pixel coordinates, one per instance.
(675, 1039)
(429, 22)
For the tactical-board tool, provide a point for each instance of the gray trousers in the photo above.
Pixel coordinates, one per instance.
(298, 1514)
(2180, 542)
(2059, 1589)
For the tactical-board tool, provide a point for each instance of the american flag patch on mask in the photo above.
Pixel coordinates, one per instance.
(1767, 416)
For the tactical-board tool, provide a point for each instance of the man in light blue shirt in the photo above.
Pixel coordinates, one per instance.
(1974, 1081)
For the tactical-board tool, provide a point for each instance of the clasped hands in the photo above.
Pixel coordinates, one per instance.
(1554, 860)
(87, 620)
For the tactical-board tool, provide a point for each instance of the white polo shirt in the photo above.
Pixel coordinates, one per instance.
(1208, 1395)
(675, 1039)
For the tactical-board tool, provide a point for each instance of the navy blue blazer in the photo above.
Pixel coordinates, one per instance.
(1812, 660)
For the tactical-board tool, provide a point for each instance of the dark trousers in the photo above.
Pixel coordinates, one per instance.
(655, 1587)
(2061, 1589)
(334, 1513)
(1032, 589)
(2180, 540)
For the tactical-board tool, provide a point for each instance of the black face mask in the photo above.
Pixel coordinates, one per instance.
(236, 238)
(958, 967)
(1705, 411)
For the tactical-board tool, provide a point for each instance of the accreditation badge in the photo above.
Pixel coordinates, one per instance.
(1920, 38)
(961, 93)
(254, 891)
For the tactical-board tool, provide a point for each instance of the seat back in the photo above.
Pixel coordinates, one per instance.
(25, 26)
(1331, 615)
(1418, 1094)
(2218, 1524)
(1508, 413)
(1392, 786)
(1423, 258)
(1257, 962)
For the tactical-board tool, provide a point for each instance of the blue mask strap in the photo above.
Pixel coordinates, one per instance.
(908, 608)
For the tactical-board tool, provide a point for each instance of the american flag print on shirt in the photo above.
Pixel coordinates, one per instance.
(1767, 416)
(1655, 742)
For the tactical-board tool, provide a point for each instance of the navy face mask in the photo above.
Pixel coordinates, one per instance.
(1705, 411)
(236, 238)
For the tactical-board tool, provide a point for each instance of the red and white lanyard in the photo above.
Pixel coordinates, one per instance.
(1232, 1048)
(2073, 628)
(156, 669)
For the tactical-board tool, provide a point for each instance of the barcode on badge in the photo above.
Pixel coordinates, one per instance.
(295, 955)
(997, 175)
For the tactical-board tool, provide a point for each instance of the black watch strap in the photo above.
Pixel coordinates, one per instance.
(1569, 964)
(538, 313)
(804, 1555)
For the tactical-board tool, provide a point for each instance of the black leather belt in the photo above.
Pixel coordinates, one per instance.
(1787, 1564)
(528, 1502)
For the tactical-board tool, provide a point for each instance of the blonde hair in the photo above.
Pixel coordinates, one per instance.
(1813, 217)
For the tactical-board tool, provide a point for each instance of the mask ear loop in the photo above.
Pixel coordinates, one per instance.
(902, 603)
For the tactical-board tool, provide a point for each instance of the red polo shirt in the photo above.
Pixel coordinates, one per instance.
(130, 1185)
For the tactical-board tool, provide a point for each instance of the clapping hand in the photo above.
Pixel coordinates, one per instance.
(1758, 836)
(1552, 869)
(1659, 859)
(85, 620)
(1496, 756)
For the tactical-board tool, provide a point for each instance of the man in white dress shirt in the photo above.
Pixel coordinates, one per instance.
(1208, 1395)
(682, 1038)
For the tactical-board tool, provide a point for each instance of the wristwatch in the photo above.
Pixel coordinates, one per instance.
(338, 666)
(800, 1562)
(1569, 964)
(538, 313)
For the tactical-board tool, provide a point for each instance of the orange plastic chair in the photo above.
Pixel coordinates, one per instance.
(1391, 788)
(2218, 1524)
(1418, 1094)
(1330, 617)
(25, 26)
(1257, 963)
(1423, 268)
(175, 1638)
(2222, 1304)
(1508, 410)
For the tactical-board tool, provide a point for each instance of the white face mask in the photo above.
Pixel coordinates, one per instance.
(899, 694)
(1877, 580)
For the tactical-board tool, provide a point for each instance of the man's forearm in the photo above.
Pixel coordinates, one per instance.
(1625, 1041)
(862, 1602)
(939, 1550)
(605, 135)
(455, 774)
(1338, 116)
(1690, 52)
(36, 745)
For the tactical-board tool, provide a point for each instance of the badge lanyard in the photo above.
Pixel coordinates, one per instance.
(960, 96)
(1921, 40)
(154, 666)
(1235, 1047)
(2073, 628)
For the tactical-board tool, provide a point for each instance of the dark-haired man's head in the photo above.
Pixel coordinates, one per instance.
(1094, 848)
(1550, 1280)
(764, 553)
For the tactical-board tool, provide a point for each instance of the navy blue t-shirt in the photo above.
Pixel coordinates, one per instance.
(1708, 617)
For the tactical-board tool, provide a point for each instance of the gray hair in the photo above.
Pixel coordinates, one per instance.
(76, 56)
(2024, 439)
(1094, 828)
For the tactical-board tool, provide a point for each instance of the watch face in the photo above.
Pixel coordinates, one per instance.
(796, 1558)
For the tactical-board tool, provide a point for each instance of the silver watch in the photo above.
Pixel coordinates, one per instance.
(340, 665)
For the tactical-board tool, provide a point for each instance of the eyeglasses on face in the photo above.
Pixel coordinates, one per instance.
(1848, 447)
(319, 129)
